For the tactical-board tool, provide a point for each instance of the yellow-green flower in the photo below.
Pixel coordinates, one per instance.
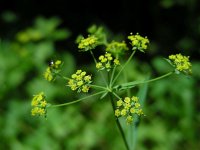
(52, 70)
(48, 74)
(106, 62)
(138, 42)
(127, 107)
(39, 105)
(88, 43)
(181, 63)
(116, 62)
(85, 88)
(117, 112)
(129, 119)
(57, 63)
(116, 48)
(119, 103)
(80, 81)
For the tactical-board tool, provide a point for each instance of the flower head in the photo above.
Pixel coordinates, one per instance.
(80, 81)
(88, 43)
(52, 70)
(116, 48)
(107, 62)
(39, 105)
(138, 42)
(181, 63)
(127, 107)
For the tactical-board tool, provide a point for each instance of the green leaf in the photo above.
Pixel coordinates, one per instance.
(128, 85)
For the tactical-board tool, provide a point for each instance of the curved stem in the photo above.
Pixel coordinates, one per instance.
(119, 125)
(123, 67)
(69, 103)
(163, 76)
(134, 83)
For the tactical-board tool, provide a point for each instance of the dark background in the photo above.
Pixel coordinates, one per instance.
(167, 22)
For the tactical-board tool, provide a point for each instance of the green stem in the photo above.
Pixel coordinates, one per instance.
(129, 59)
(99, 87)
(116, 95)
(93, 56)
(126, 80)
(134, 83)
(66, 78)
(95, 64)
(134, 136)
(76, 101)
(119, 125)
(158, 78)
(112, 76)
(163, 76)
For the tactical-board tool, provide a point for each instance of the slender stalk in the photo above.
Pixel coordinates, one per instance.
(157, 78)
(123, 67)
(126, 80)
(99, 87)
(134, 83)
(112, 76)
(134, 136)
(116, 95)
(93, 56)
(119, 125)
(163, 76)
(76, 101)
(66, 78)
(100, 71)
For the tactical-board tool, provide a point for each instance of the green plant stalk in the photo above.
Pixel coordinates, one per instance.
(119, 125)
(129, 59)
(116, 95)
(112, 76)
(65, 78)
(96, 63)
(158, 78)
(126, 80)
(134, 136)
(113, 106)
(76, 101)
(93, 56)
(99, 87)
(142, 95)
(131, 84)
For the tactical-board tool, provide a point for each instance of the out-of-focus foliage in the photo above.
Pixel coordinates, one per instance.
(172, 118)
(22, 64)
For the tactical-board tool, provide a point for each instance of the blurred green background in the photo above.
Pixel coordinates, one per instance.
(33, 32)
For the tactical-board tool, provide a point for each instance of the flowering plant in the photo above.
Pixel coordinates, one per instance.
(109, 66)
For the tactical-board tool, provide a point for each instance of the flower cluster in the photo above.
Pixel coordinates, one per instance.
(52, 70)
(116, 48)
(80, 81)
(138, 42)
(128, 107)
(181, 63)
(39, 105)
(88, 43)
(106, 62)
